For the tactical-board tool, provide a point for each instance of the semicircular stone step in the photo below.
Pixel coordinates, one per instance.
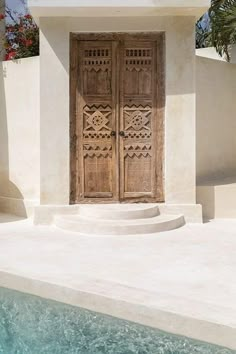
(90, 226)
(119, 211)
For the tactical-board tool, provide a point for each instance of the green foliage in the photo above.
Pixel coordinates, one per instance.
(203, 35)
(221, 32)
(223, 25)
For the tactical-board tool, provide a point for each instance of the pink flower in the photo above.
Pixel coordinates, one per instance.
(10, 55)
(28, 42)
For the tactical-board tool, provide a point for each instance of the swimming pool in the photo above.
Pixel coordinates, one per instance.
(32, 325)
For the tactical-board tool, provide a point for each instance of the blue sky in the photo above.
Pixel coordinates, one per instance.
(17, 8)
(16, 5)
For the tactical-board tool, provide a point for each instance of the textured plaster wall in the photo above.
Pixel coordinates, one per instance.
(216, 117)
(180, 161)
(19, 135)
(2, 30)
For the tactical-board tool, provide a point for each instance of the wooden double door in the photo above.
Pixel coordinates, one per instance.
(117, 114)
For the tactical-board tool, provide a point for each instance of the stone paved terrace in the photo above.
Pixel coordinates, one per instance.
(181, 281)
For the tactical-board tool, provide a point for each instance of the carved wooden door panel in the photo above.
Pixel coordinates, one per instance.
(140, 170)
(97, 120)
(117, 115)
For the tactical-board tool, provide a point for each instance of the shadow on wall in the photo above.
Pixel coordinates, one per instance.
(216, 124)
(8, 190)
(206, 197)
(216, 143)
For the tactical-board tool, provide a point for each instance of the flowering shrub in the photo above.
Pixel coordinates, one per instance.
(2, 31)
(22, 38)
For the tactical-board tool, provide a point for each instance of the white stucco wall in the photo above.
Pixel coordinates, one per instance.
(180, 132)
(95, 8)
(19, 135)
(216, 117)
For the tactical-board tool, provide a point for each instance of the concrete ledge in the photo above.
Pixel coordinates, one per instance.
(192, 212)
(19, 207)
(180, 316)
(44, 214)
(209, 53)
(95, 8)
(218, 198)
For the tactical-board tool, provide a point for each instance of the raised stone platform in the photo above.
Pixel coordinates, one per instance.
(147, 216)
(118, 219)
(218, 198)
(180, 281)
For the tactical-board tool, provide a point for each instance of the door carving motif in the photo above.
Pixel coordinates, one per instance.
(117, 117)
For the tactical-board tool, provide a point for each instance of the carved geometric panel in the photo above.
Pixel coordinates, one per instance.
(137, 118)
(138, 149)
(138, 59)
(97, 148)
(97, 70)
(138, 65)
(96, 126)
(97, 135)
(97, 59)
(97, 118)
(91, 150)
(138, 135)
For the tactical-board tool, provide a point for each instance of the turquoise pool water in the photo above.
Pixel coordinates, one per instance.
(31, 325)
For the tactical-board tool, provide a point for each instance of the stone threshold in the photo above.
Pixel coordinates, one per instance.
(176, 315)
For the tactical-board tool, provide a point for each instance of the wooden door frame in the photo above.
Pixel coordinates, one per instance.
(159, 38)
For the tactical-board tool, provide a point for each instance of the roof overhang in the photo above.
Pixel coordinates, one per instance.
(110, 8)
